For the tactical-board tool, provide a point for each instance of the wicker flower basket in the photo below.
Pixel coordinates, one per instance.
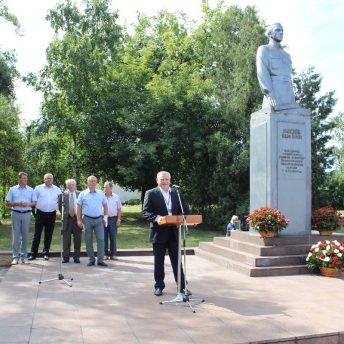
(324, 232)
(331, 272)
(269, 234)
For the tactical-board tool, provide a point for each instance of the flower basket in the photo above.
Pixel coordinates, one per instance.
(269, 234)
(266, 219)
(327, 254)
(330, 272)
(323, 232)
(326, 219)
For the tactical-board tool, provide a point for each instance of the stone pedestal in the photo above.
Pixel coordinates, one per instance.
(280, 166)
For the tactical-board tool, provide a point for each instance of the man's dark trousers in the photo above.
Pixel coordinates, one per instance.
(44, 220)
(72, 228)
(159, 251)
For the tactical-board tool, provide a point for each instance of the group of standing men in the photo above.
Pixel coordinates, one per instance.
(91, 210)
(95, 211)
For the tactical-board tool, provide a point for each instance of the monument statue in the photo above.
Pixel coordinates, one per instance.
(274, 70)
(280, 141)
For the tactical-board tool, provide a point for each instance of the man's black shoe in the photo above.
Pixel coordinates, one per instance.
(186, 292)
(31, 258)
(76, 260)
(158, 292)
(46, 257)
(90, 264)
(65, 260)
(102, 264)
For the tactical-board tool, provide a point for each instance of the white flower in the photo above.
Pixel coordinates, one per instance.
(326, 259)
(328, 247)
(323, 251)
(336, 251)
(339, 254)
(316, 250)
(328, 242)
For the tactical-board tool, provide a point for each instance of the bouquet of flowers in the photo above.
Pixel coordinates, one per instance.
(267, 219)
(327, 254)
(327, 218)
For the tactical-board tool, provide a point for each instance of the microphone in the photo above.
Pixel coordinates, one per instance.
(176, 186)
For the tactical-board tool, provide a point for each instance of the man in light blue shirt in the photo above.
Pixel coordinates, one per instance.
(21, 198)
(92, 202)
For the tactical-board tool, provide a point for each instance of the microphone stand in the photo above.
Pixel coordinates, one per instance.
(60, 277)
(179, 297)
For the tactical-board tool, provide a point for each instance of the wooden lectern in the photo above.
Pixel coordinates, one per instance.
(171, 220)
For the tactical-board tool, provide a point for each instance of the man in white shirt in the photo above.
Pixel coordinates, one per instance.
(47, 201)
(67, 201)
(114, 220)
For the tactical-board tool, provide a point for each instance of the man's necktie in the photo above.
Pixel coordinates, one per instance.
(71, 205)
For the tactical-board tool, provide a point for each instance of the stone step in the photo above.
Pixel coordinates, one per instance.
(253, 259)
(252, 255)
(254, 238)
(260, 250)
(252, 271)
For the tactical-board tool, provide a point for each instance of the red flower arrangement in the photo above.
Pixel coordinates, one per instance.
(327, 218)
(327, 254)
(267, 219)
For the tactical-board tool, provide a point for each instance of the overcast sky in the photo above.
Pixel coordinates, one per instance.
(313, 32)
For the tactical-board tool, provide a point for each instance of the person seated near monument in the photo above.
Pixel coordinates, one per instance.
(231, 225)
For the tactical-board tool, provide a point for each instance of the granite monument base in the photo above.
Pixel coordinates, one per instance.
(280, 165)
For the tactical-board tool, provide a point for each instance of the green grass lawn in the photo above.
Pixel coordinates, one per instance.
(132, 234)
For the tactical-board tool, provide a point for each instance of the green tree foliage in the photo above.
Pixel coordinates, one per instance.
(332, 191)
(11, 148)
(9, 17)
(191, 106)
(307, 86)
(11, 139)
(76, 88)
(8, 73)
(228, 40)
(168, 97)
(166, 116)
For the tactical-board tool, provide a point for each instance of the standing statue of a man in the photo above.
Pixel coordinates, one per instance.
(274, 70)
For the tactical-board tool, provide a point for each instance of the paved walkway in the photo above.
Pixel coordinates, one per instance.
(117, 305)
(3, 271)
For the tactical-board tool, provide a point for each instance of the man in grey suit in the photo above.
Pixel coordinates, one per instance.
(159, 202)
(70, 226)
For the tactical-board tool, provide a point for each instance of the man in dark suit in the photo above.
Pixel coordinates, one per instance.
(159, 202)
(70, 225)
